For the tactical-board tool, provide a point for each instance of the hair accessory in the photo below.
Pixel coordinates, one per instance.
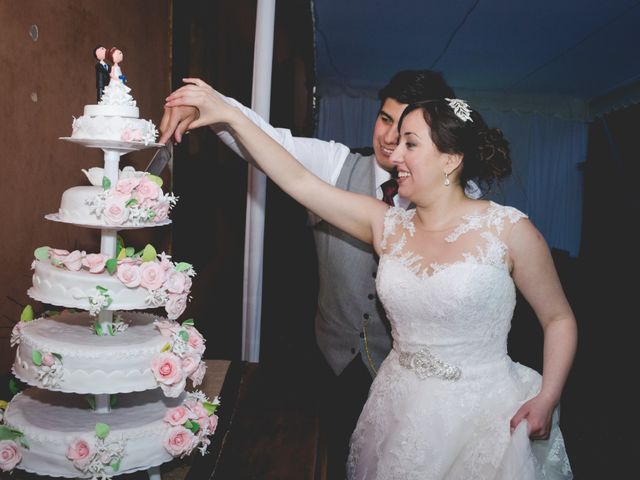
(460, 108)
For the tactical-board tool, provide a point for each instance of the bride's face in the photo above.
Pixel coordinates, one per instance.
(117, 56)
(418, 160)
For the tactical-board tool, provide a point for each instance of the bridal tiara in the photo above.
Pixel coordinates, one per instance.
(460, 108)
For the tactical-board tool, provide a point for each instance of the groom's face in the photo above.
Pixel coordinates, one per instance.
(385, 132)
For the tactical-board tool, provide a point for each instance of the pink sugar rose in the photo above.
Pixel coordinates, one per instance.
(129, 274)
(161, 210)
(174, 390)
(95, 262)
(81, 452)
(176, 282)
(177, 415)
(179, 441)
(166, 263)
(196, 340)
(126, 135)
(9, 455)
(48, 359)
(176, 305)
(167, 368)
(197, 376)
(115, 211)
(147, 190)
(73, 261)
(190, 364)
(126, 185)
(213, 423)
(128, 260)
(198, 410)
(167, 328)
(152, 275)
(58, 254)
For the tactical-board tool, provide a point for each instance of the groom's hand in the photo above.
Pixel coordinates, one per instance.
(175, 122)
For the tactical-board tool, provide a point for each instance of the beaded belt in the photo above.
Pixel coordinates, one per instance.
(425, 364)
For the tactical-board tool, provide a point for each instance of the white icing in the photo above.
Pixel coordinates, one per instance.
(50, 421)
(111, 111)
(66, 288)
(78, 206)
(92, 363)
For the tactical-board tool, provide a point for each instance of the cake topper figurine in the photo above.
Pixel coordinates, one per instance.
(115, 56)
(102, 70)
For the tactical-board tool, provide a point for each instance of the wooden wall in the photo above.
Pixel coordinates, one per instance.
(45, 80)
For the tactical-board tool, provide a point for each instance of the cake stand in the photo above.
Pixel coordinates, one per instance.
(34, 398)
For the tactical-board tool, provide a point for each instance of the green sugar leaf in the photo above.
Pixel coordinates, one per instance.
(184, 335)
(111, 265)
(102, 430)
(98, 328)
(210, 407)
(27, 314)
(41, 253)
(189, 322)
(149, 253)
(36, 357)
(182, 266)
(106, 183)
(155, 179)
(13, 386)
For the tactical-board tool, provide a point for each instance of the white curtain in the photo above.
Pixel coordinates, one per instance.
(547, 153)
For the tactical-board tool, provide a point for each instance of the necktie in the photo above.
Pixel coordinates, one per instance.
(389, 190)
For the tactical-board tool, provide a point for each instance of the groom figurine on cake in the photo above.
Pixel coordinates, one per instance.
(102, 70)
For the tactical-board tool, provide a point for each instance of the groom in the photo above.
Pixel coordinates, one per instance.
(102, 70)
(352, 331)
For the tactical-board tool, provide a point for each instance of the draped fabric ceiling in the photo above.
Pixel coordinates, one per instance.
(571, 58)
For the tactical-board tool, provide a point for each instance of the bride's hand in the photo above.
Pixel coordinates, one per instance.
(537, 411)
(196, 93)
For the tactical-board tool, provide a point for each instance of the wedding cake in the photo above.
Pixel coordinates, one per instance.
(108, 381)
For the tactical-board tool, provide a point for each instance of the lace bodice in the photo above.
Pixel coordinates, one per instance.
(459, 302)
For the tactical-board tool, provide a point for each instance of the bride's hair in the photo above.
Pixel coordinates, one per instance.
(457, 129)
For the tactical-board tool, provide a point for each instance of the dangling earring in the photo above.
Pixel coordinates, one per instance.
(446, 179)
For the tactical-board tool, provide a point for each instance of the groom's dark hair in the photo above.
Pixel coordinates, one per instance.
(410, 86)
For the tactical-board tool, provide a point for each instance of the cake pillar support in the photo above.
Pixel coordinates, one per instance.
(103, 404)
(154, 473)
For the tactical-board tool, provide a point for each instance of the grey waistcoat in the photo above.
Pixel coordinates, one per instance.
(348, 307)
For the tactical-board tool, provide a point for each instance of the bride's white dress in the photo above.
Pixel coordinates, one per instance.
(440, 405)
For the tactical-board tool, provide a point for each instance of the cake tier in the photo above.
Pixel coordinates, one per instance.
(53, 423)
(90, 363)
(79, 205)
(120, 128)
(66, 288)
(111, 111)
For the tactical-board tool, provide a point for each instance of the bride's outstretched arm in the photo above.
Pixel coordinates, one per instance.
(359, 215)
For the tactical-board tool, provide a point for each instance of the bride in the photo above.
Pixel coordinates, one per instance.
(448, 402)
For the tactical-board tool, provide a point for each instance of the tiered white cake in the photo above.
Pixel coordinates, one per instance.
(108, 383)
